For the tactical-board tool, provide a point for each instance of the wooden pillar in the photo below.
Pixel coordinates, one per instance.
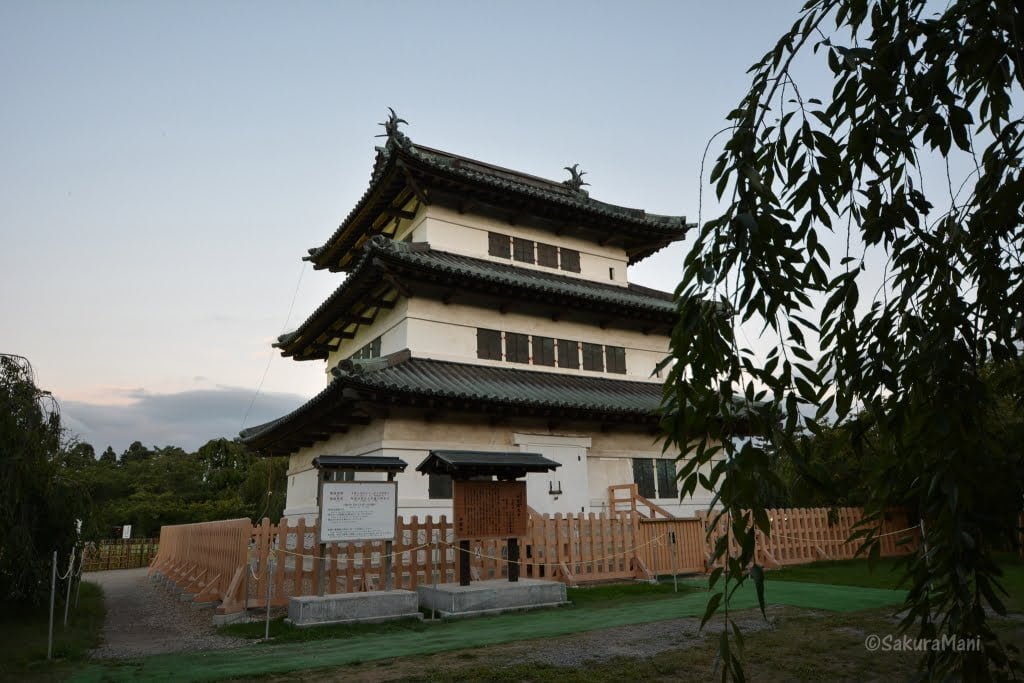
(513, 559)
(321, 579)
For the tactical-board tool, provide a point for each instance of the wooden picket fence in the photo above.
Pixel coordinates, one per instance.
(206, 560)
(569, 548)
(803, 535)
(233, 561)
(674, 546)
(119, 553)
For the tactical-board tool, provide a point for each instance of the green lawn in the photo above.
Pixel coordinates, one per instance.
(23, 637)
(887, 575)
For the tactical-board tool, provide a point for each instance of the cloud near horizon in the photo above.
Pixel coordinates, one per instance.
(187, 419)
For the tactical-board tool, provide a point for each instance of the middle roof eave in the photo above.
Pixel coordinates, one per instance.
(417, 261)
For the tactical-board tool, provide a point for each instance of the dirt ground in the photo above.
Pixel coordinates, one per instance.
(572, 651)
(144, 618)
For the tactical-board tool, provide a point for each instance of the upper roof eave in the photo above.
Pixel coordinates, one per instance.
(650, 232)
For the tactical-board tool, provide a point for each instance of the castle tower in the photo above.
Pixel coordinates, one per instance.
(489, 310)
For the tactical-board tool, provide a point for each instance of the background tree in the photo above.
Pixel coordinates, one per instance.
(38, 504)
(151, 487)
(897, 318)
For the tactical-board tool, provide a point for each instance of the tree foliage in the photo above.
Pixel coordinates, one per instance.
(48, 484)
(898, 320)
(151, 487)
(38, 503)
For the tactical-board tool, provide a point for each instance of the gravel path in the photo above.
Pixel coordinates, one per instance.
(145, 619)
(638, 641)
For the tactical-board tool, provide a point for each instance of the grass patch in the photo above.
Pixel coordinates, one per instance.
(23, 636)
(888, 575)
(281, 632)
(615, 594)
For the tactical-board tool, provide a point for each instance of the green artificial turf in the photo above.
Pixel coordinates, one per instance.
(262, 659)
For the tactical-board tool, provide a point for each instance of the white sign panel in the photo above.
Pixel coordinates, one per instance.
(358, 511)
(126, 531)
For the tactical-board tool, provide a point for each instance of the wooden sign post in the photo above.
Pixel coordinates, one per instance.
(352, 511)
(489, 509)
(485, 508)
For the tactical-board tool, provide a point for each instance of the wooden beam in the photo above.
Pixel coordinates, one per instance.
(383, 304)
(401, 288)
(352, 319)
(611, 239)
(399, 213)
(390, 229)
(420, 194)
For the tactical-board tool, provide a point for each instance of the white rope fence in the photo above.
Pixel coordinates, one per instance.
(69, 575)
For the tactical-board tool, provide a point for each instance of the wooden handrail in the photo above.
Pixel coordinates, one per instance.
(635, 502)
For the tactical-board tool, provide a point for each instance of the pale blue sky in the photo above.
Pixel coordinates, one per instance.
(165, 166)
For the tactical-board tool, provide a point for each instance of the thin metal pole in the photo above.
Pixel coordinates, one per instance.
(71, 577)
(53, 595)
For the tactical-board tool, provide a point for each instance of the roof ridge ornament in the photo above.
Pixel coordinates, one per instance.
(576, 182)
(384, 242)
(391, 131)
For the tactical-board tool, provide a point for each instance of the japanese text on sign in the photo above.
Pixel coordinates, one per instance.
(490, 509)
(358, 511)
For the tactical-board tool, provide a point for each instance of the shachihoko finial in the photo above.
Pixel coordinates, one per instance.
(391, 125)
(576, 182)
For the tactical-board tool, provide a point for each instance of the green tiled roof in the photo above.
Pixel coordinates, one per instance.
(464, 387)
(642, 233)
(417, 262)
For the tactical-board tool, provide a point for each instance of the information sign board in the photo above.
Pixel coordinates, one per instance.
(358, 511)
(489, 509)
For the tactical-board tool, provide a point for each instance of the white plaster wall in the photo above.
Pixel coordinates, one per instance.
(448, 332)
(301, 496)
(606, 461)
(448, 230)
(390, 326)
(565, 489)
